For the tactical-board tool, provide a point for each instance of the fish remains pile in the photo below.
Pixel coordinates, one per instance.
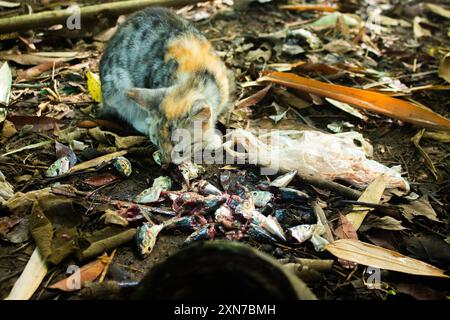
(235, 213)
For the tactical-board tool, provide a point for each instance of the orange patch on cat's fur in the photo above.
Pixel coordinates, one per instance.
(193, 54)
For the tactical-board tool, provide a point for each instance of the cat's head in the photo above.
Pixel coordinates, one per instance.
(186, 121)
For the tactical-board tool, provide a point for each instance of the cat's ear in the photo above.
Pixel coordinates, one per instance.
(202, 114)
(147, 98)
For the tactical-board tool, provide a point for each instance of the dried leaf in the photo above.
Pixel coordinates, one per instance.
(36, 71)
(28, 59)
(345, 229)
(30, 279)
(418, 30)
(254, 98)
(87, 273)
(97, 161)
(386, 222)
(372, 194)
(39, 123)
(29, 147)
(330, 20)
(7, 223)
(420, 207)
(429, 248)
(94, 86)
(309, 7)
(377, 257)
(99, 181)
(8, 129)
(370, 100)
(419, 291)
(438, 10)
(120, 142)
(43, 57)
(89, 124)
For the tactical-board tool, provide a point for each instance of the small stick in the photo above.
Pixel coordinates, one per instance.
(329, 185)
(105, 270)
(323, 219)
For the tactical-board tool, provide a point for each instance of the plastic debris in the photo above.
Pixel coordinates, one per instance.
(328, 156)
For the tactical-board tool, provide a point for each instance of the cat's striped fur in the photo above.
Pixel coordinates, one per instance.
(160, 74)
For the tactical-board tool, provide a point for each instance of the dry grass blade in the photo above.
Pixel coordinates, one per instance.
(97, 161)
(30, 279)
(309, 7)
(378, 257)
(373, 101)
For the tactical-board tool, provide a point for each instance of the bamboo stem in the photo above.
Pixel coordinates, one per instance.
(49, 18)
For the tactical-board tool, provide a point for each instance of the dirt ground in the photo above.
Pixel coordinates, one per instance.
(229, 31)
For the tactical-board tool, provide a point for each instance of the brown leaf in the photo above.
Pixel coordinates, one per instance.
(374, 256)
(27, 59)
(97, 161)
(428, 248)
(99, 181)
(382, 238)
(39, 123)
(345, 229)
(254, 98)
(34, 72)
(107, 124)
(6, 223)
(76, 281)
(419, 292)
(419, 207)
(373, 101)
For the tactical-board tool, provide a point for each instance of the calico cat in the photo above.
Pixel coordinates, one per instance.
(160, 74)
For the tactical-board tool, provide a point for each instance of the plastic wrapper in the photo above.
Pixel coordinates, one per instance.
(341, 156)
